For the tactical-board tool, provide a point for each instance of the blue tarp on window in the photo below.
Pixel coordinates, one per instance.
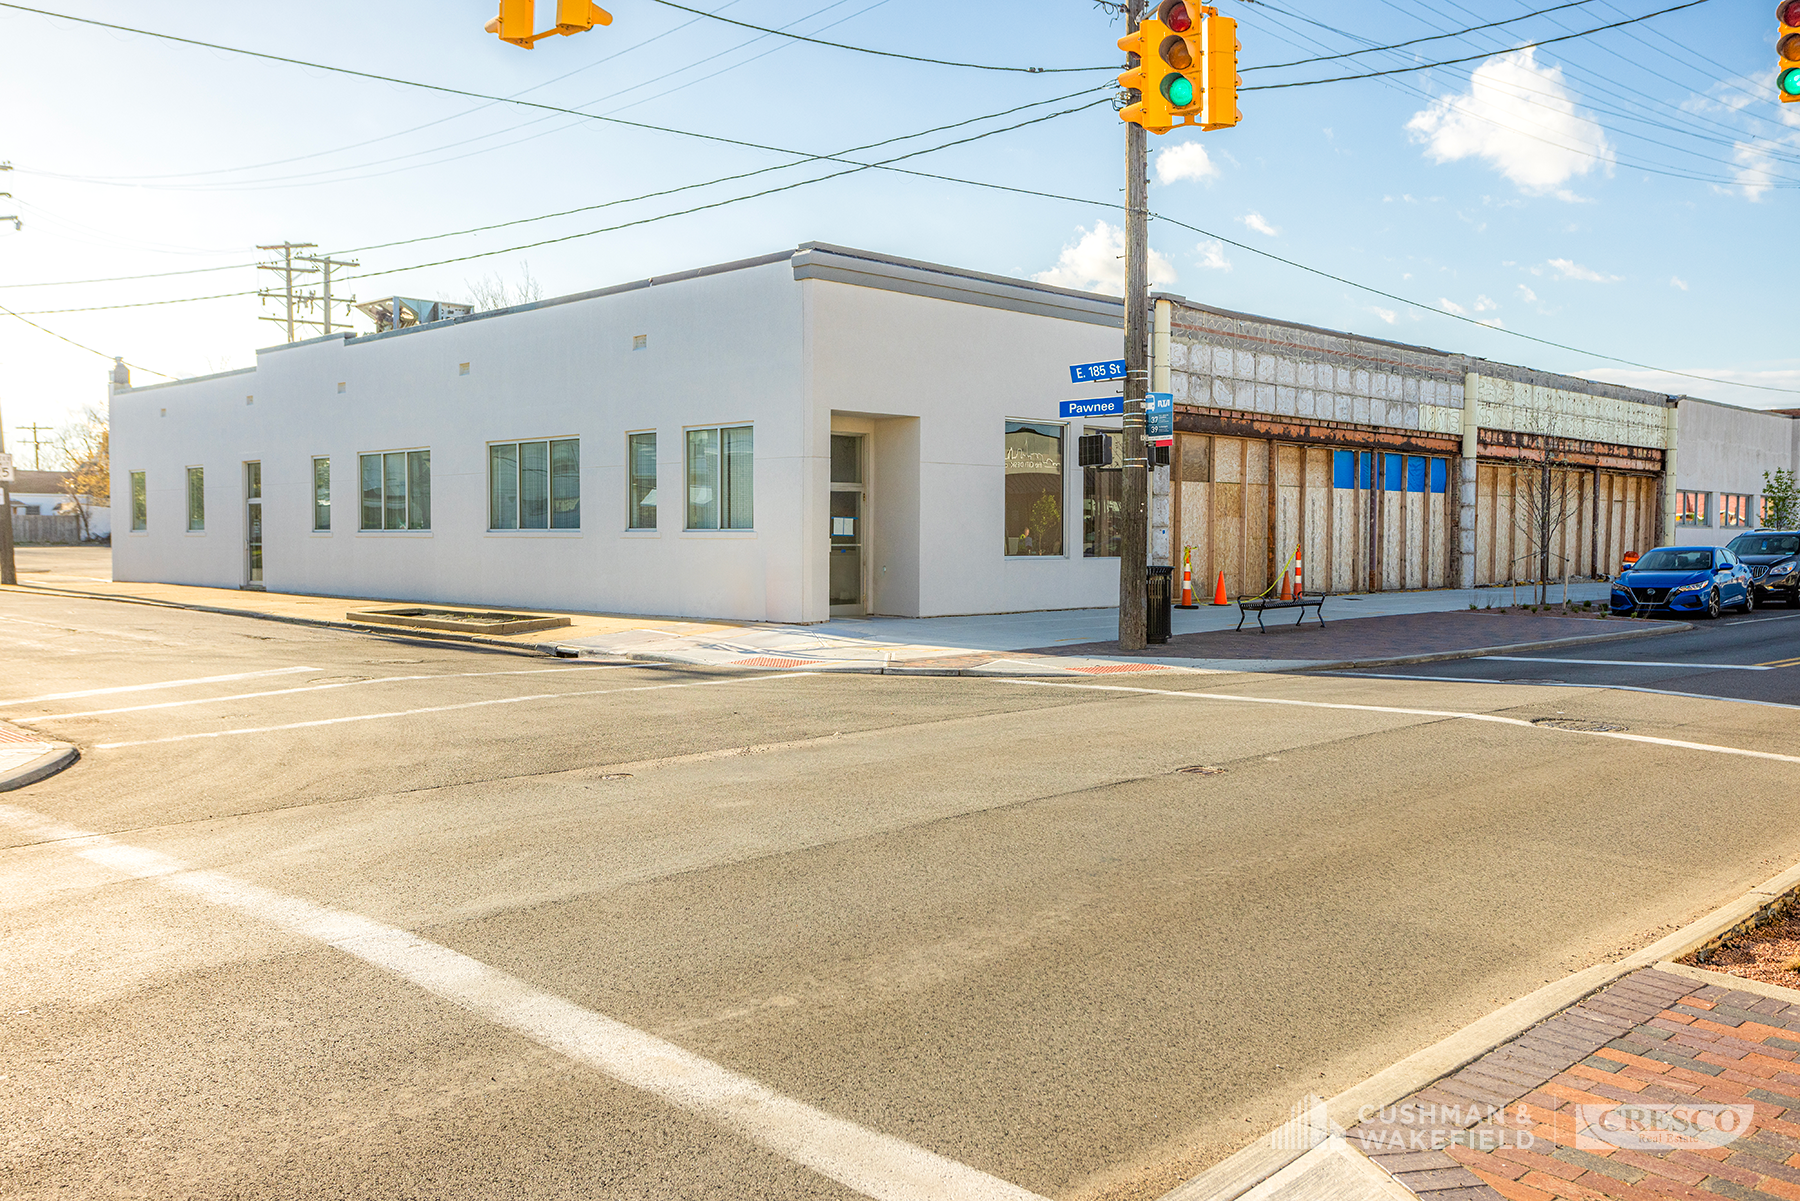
(1440, 475)
(1391, 479)
(1343, 469)
(1415, 473)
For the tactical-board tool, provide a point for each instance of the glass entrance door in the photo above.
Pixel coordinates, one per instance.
(253, 563)
(847, 503)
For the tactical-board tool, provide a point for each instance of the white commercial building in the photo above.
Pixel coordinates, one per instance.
(828, 431)
(1725, 454)
(816, 431)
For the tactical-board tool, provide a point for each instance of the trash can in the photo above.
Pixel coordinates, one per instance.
(1159, 603)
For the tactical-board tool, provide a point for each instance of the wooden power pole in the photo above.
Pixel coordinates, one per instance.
(1134, 539)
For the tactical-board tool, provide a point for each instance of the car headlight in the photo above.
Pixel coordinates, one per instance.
(1621, 586)
(1784, 568)
(1694, 587)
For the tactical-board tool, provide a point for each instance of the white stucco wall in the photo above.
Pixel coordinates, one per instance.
(962, 371)
(1726, 449)
(721, 349)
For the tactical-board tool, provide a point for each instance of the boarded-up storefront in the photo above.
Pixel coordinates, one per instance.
(1363, 519)
(1592, 518)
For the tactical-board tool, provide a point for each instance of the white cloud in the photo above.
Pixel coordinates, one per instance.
(1450, 306)
(1756, 166)
(1483, 304)
(1519, 117)
(1186, 160)
(1095, 262)
(1675, 281)
(1569, 269)
(1212, 256)
(1260, 224)
(1527, 294)
(1386, 315)
(1668, 383)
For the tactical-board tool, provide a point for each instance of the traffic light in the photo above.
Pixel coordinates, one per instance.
(516, 18)
(1787, 50)
(1144, 74)
(1184, 68)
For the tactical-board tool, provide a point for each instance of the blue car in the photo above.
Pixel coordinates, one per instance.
(1684, 579)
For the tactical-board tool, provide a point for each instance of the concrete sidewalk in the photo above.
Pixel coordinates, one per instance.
(1058, 642)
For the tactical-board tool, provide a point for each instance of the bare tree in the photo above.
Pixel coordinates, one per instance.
(493, 292)
(85, 446)
(1546, 494)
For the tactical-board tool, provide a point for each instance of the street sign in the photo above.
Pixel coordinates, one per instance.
(1087, 373)
(1106, 406)
(6, 469)
(1159, 417)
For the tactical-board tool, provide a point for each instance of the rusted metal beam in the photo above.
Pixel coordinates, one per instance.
(1234, 423)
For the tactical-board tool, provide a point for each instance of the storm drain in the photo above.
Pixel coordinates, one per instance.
(1580, 725)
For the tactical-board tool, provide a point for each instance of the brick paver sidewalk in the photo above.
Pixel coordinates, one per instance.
(1346, 637)
(1517, 1123)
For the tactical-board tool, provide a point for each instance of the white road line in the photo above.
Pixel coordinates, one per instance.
(242, 675)
(1494, 718)
(873, 1164)
(29, 718)
(504, 700)
(1629, 663)
(1696, 696)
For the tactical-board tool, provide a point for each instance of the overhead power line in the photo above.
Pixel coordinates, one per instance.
(1436, 37)
(1469, 58)
(911, 58)
(114, 279)
(78, 346)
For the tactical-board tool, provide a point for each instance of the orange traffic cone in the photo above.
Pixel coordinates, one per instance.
(1219, 591)
(1297, 572)
(1187, 579)
(1287, 586)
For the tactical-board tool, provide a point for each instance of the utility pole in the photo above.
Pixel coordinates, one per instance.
(37, 442)
(9, 574)
(1135, 538)
(325, 263)
(288, 270)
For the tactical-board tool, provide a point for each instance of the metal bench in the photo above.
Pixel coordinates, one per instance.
(1303, 603)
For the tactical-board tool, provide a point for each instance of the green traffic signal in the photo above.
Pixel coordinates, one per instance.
(1789, 82)
(1180, 90)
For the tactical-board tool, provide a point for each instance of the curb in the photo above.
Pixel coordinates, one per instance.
(321, 623)
(41, 768)
(1250, 1166)
(1511, 648)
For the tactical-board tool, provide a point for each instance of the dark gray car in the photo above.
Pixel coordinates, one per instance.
(1773, 557)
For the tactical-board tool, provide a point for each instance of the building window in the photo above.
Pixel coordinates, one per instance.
(534, 485)
(140, 503)
(640, 467)
(396, 490)
(1734, 510)
(196, 499)
(321, 494)
(719, 478)
(1690, 508)
(1103, 501)
(1034, 488)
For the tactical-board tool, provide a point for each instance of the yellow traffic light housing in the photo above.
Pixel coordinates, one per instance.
(1787, 51)
(1219, 47)
(1184, 68)
(516, 18)
(1145, 70)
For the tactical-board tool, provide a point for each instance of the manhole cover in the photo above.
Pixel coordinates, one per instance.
(616, 775)
(1202, 769)
(1578, 724)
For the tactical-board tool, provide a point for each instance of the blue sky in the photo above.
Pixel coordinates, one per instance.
(1627, 193)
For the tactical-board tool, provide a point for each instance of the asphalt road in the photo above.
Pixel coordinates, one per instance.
(388, 919)
(1750, 658)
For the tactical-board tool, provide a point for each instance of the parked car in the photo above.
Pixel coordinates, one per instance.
(1701, 580)
(1773, 557)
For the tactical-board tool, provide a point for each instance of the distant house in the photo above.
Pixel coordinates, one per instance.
(45, 493)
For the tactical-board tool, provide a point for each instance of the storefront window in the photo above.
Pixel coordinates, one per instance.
(1103, 502)
(1690, 508)
(1034, 488)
